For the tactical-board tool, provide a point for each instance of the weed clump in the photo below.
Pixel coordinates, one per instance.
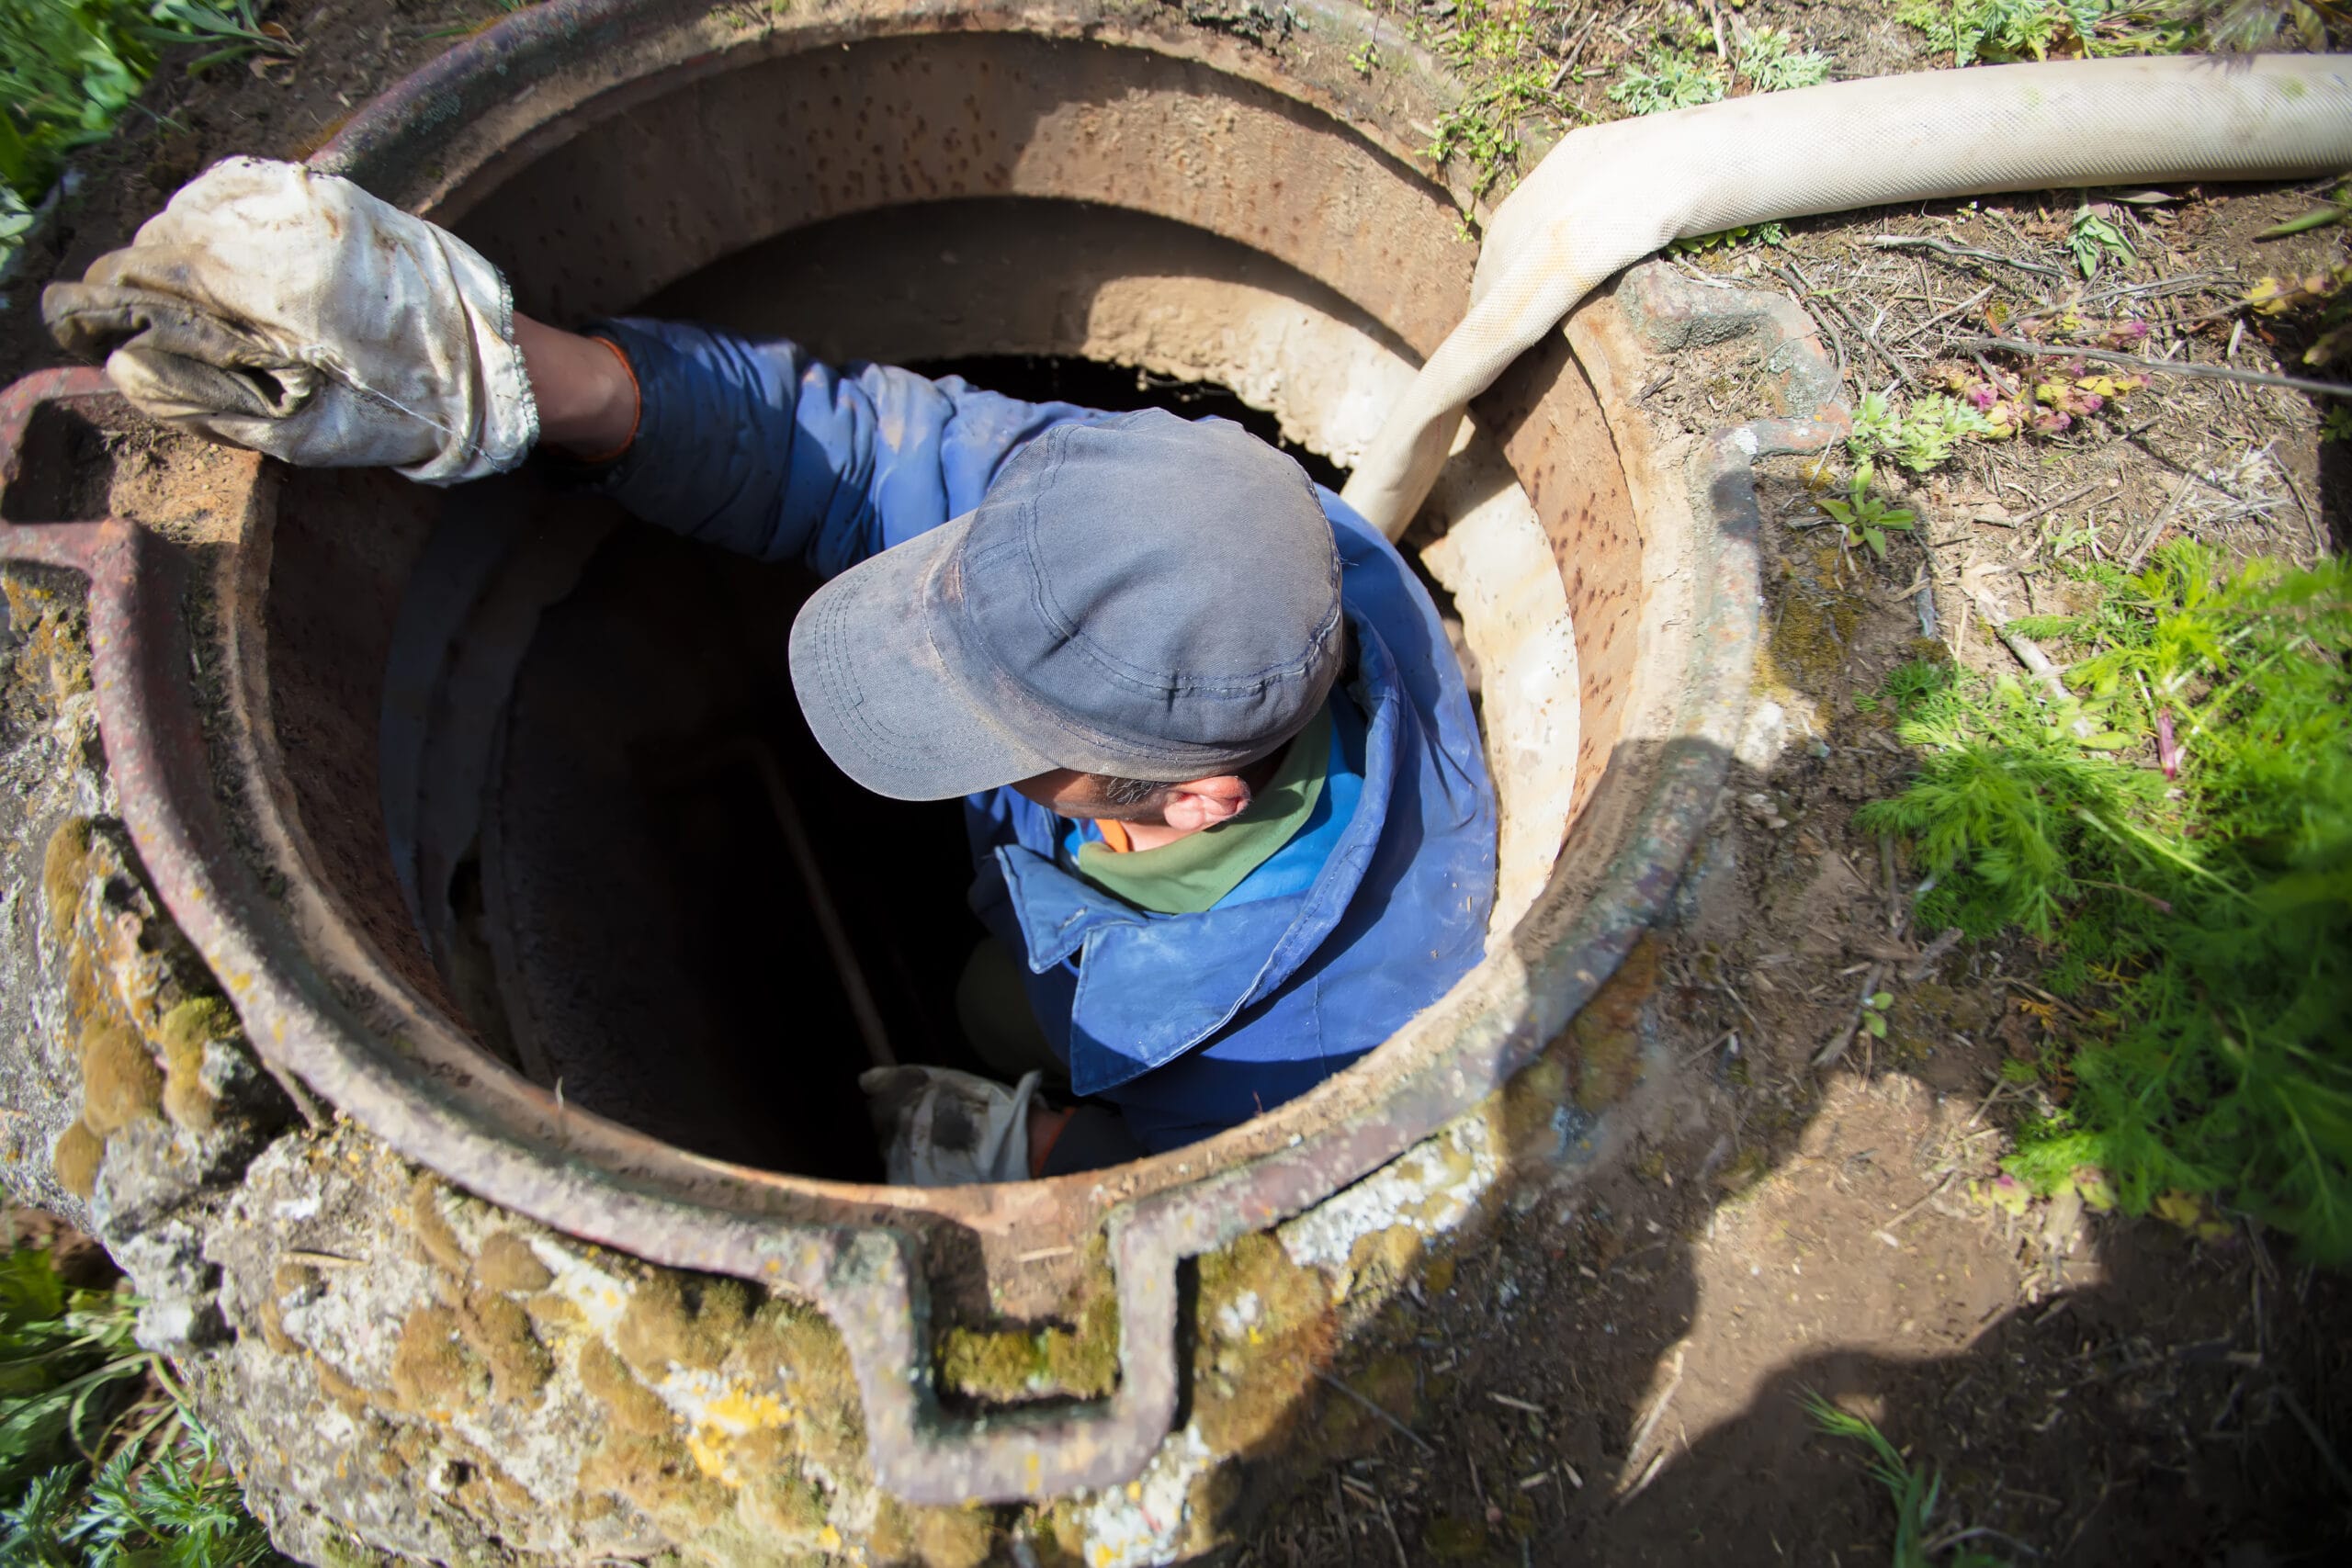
(2177, 833)
(1996, 31)
(74, 1384)
(70, 68)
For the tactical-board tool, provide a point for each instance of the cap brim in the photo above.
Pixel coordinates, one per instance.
(879, 695)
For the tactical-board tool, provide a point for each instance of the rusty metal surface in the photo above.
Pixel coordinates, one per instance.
(322, 1001)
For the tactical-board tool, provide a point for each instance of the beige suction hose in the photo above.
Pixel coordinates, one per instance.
(1608, 194)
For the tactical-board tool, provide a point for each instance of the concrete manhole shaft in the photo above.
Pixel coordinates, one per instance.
(943, 181)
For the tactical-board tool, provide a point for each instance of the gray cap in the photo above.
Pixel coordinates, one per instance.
(1144, 597)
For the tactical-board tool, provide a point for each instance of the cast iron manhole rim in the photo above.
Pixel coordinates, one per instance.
(508, 1142)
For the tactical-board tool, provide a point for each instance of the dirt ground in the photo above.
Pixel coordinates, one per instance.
(1616, 1376)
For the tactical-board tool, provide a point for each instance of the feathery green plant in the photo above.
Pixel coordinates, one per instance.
(2185, 857)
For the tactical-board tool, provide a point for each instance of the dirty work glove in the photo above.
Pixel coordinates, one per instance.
(294, 313)
(943, 1128)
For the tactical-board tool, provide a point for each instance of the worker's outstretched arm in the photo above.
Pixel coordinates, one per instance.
(293, 312)
(762, 449)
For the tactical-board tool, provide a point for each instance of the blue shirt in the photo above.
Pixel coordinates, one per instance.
(1187, 1023)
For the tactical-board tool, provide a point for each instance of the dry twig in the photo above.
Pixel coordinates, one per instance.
(1806, 289)
(1945, 247)
(1845, 1037)
(1405, 1432)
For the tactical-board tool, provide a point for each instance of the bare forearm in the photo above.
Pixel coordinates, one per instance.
(587, 398)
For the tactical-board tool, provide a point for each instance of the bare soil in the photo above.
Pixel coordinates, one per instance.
(1616, 1378)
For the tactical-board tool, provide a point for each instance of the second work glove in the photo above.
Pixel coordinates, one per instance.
(294, 313)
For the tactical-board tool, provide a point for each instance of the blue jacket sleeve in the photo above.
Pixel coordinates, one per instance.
(758, 448)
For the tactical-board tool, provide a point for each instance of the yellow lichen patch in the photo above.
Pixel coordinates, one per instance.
(183, 1033)
(1265, 1327)
(120, 1083)
(507, 1263)
(425, 1222)
(433, 1371)
(499, 1331)
(933, 1537)
(726, 1418)
(65, 870)
(75, 1159)
(686, 1320)
(634, 1407)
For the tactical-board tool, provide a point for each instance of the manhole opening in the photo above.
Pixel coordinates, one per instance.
(637, 904)
(1012, 204)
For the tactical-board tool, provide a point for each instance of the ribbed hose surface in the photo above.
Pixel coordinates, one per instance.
(1610, 195)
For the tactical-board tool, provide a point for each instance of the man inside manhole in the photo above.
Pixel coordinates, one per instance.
(1229, 822)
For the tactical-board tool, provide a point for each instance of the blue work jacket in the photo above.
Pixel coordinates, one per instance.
(1187, 1023)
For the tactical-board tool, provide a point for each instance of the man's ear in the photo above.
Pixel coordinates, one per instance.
(1204, 803)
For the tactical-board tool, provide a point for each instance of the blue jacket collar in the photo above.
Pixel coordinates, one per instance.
(1152, 987)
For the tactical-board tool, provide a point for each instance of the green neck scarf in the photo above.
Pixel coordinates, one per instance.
(1190, 875)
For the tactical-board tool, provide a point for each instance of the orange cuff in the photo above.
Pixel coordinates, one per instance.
(637, 415)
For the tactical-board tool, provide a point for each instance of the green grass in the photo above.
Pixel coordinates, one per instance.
(69, 69)
(2200, 922)
(101, 1464)
(1916, 1494)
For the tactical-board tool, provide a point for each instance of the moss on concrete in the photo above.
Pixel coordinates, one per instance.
(689, 1320)
(75, 1159)
(1606, 1035)
(433, 1372)
(776, 1499)
(507, 1263)
(661, 1478)
(433, 1238)
(1265, 1328)
(801, 1352)
(183, 1035)
(934, 1538)
(1006, 1366)
(1814, 629)
(120, 1083)
(498, 1331)
(635, 1408)
(65, 870)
